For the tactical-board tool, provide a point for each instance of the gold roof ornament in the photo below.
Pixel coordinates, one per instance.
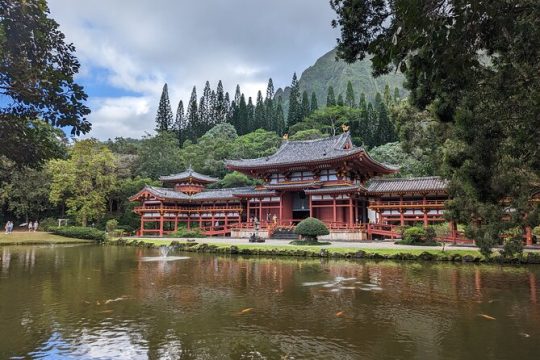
(285, 136)
(344, 127)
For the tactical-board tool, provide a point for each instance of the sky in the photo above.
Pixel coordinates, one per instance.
(129, 48)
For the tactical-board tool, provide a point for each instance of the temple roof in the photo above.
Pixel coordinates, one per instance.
(404, 185)
(170, 194)
(336, 189)
(188, 174)
(294, 185)
(295, 152)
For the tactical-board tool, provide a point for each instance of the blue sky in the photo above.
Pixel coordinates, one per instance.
(129, 49)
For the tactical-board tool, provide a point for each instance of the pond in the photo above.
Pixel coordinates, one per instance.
(106, 302)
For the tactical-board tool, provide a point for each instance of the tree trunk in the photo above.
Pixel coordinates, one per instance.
(84, 221)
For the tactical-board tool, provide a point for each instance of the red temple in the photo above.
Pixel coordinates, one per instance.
(330, 179)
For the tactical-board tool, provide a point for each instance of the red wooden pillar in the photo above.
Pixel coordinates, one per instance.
(310, 207)
(334, 207)
(260, 211)
(401, 211)
(280, 208)
(176, 222)
(142, 224)
(189, 220)
(351, 219)
(213, 213)
(161, 224)
(248, 218)
(528, 236)
(425, 213)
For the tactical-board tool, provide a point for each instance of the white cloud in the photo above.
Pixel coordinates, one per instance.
(136, 46)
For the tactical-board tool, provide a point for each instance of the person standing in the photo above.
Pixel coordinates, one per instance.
(10, 227)
(30, 226)
(36, 224)
(7, 227)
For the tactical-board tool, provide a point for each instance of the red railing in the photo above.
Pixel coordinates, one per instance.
(418, 203)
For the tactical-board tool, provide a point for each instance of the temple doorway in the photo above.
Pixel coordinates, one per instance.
(300, 206)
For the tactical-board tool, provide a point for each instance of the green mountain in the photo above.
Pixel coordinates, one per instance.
(327, 71)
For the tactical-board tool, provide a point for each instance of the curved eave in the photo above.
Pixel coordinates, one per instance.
(148, 190)
(191, 179)
(336, 190)
(255, 194)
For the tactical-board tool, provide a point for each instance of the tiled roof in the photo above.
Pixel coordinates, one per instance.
(203, 195)
(336, 189)
(188, 173)
(291, 152)
(404, 185)
(293, 185)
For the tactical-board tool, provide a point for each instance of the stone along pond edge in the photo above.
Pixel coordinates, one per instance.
(455, 256)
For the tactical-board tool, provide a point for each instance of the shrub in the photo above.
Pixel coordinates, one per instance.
(512, 246)
(418, 235)
(414, 235)
(310, 228)
(111, 225)
(79, 232)
(48, 223)
(185, 233)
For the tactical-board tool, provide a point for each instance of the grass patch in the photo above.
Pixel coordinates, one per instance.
(310, 248)
(309, 243)
(36, 238)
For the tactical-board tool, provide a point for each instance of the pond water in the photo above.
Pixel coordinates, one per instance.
(91, 302)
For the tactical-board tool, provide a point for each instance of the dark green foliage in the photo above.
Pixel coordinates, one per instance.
(340, 101)
(279, 118)
(192, 117)
(180, 124)
(311, 228)
(512, 246)
(164, 116)
(418, 235)
(330, 97)
(185, 233)
(306, 107)
(235, 179)
(159, 155)
(308, 134)
(295, 106)
(80, 232)
(409, 165)
(36, 82)
(349, 95)
(475, 66)
(259, 117)
(313, 103)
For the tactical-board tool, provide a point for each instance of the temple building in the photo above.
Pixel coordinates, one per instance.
(330, 179)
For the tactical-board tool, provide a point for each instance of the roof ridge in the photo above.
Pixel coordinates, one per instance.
(409, 179)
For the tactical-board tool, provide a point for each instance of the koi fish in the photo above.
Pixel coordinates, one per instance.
(114, 300)
(524, 334)
(340, 313)
(245, 311)
(106, 312)
(487, 317)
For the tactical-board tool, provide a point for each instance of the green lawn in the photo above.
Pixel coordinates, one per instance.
(340, 250)
(35, 238)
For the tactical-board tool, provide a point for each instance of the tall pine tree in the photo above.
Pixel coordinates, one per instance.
(250, 122)
(192, 116)
(279, 117)
(180, 124)
(349, 96)
(306, 107)
(259, 118)
(269, 110)
(340, 101)
(164, 116)
(295, 109)
(330, 97)
(243, 125)
(314, 104)
(220, 106)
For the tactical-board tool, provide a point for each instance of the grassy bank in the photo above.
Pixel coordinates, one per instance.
(36, 238)
(333, 252)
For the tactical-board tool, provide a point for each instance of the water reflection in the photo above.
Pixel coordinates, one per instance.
(102, 302)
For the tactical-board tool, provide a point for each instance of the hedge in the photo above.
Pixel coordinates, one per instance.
(79, 232)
